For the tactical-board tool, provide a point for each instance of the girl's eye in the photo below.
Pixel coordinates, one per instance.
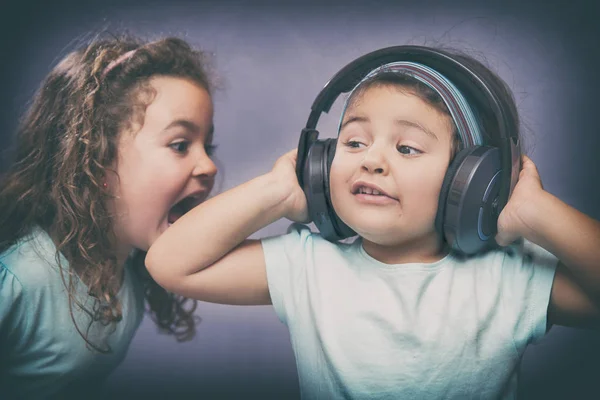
(410, 151)
(210, 149)
(353, 144)
(180, 147)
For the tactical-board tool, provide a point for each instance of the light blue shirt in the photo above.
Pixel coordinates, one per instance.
(41, 352)
(361, 329)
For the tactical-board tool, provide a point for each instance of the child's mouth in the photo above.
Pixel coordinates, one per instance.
(181, 208)
(369, 194)
(367, 191)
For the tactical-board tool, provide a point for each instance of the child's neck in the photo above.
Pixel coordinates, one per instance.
(423, 251)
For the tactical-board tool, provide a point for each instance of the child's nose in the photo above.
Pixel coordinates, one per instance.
(205, 167)
(374, 162)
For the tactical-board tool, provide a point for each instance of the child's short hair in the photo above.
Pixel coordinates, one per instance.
(407, 83)
(427, 94)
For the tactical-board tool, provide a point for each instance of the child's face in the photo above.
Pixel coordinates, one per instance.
(394, 143)
(164, 162)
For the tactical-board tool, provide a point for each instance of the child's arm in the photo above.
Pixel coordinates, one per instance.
(214, 234)
(573, 237)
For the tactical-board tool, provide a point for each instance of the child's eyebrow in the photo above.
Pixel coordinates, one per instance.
(189, 126)
(413, 124)
(354, 119)
(402, 122)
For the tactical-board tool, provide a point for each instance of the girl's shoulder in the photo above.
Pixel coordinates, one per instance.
(31, 261)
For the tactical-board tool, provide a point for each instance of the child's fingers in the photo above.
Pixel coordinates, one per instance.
(527, 162)
(292, 154)
(528, 168)
(503, 240)
(499, 239)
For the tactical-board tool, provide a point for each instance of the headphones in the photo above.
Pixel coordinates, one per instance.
(478, 181)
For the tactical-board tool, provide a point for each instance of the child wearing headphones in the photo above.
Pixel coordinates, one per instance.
(399, 312)
(114, 148)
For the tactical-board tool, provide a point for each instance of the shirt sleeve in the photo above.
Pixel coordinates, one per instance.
(528, 274)
(285, 260)
(13, 322)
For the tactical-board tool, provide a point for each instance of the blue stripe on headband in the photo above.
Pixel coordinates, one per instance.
(460, 110)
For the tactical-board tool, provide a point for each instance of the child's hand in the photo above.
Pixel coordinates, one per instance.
(285, 172)
(512, 222)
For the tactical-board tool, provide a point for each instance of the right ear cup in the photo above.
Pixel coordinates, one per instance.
(467, 212)
(342, 231)
(314, 187)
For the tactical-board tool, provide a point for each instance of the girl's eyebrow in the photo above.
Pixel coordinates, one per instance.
(189, 126)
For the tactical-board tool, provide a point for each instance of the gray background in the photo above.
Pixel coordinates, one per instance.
(273, 58)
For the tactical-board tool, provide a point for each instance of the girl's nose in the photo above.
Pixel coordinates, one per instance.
(205, 167)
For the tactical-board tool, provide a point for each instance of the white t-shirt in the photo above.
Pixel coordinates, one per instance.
(362, 329)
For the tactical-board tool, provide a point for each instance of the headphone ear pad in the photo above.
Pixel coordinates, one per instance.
(328, 160)
(446, 183)
(342, 231)
(316, 188)
(313, 185)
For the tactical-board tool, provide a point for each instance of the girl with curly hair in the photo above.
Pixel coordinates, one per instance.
(114, 148)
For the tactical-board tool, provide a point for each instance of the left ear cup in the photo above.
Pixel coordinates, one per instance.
(467, 216)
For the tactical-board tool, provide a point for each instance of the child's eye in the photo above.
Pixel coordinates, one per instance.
(410, 151)
(353, 144)
(180, 147)
(210, 149)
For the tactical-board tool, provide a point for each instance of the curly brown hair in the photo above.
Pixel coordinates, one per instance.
(65, 145)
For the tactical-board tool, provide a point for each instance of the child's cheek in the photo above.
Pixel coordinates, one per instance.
(426, 189)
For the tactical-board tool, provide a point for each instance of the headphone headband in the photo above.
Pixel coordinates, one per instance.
(468, 81)
(467, 124)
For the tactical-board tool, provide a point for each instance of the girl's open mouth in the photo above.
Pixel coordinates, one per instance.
(182, 207)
